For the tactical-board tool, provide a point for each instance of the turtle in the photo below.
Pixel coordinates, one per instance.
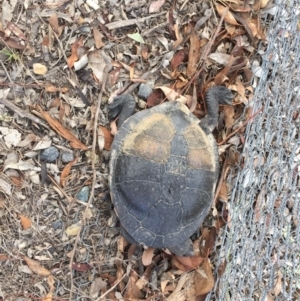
(164, 166)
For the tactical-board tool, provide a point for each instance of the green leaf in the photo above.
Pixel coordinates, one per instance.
(137, 37)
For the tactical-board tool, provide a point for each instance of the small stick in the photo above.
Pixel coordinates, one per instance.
(22, 113)
(93, 182)
(124, 23)
(108, 291)
(223, 176)
(243, 124)
(205, 54)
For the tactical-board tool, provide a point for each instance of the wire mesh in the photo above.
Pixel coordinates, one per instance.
(260, 250)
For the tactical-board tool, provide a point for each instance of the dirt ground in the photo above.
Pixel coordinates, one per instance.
(61, 62)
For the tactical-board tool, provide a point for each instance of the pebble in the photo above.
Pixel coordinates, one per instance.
(57, 224)
(83, 194)
(144, 91)
(67, 157)
(142, 104)
(49, 154)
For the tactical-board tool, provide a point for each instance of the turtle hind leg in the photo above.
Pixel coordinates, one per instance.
(183, 249)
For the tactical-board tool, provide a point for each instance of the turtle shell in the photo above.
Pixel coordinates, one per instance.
(163, 172)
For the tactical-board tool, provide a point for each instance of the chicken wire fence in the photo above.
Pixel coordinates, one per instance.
(259, 251)
(260, 248)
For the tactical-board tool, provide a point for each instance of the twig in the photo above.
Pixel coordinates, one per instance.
(7, 74)
(108, 291)
(223, 176)
(22, 113)
(85, 214)
(148, 31)
(205, 54)
(130, 87)
(124, 23)
(243, 124)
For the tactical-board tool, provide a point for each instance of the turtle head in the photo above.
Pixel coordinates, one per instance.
(215, 96)
(123, 106)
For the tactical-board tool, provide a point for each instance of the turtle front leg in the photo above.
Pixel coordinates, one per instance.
(122, 106)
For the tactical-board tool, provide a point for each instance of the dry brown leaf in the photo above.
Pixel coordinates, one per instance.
(204, 279)
(81, 267)
(192, 100)
(131, 250)
(223, 193)
(3, 257)
(178, 294)
(114, 75)
(120, 273)
(240, 88)
(229, 18)
(131, 71)
(107, 137)
(48, 297)
(98, 36)
(53, 21)
(222, 268)
(52, 89)
(230, 28)
(132, 292)
(74, 56)
(51, 282)
(17, 181)
(145, 52)
(179, 57)
(264, 3)
(144, 280)
(210, 237)
(74, 229)
(97, 286)
(155, 98)
(269, 297)
(278, 286)
(65, 173)
(259, 205)
(36, 268)
(113, 129)
(122, 243)
(98, 62)
(39, 69)
(191, 262)
(147, 256)
(55, 103)
(194, 53)
(228, 116)
(25, 222)
(10, 41)
(163, 285)
(222, 75)
(172, 95)
(57, 126)
(220, 58)
(155, 6)
(171, 23)
(15, 30)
